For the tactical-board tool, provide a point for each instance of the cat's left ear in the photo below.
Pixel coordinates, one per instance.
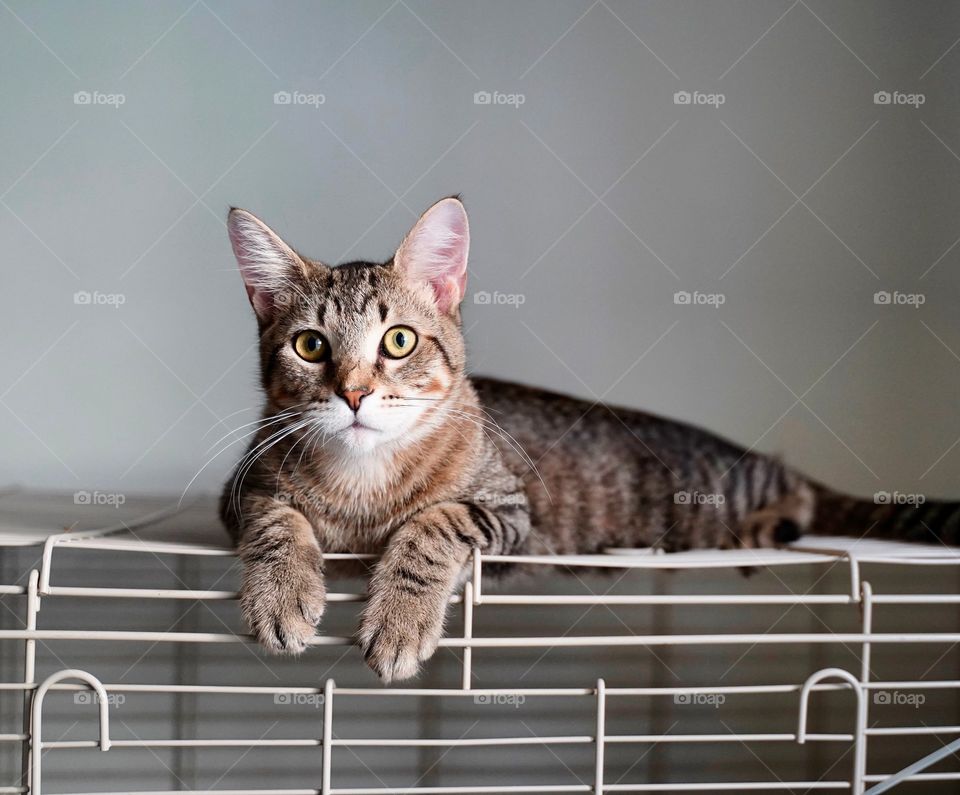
(434, 253)
(270, 268)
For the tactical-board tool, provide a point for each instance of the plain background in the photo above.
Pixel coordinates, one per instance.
(596, 199)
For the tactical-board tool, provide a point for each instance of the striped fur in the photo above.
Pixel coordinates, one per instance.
(450, 464)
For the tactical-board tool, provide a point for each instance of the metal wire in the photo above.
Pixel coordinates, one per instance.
(121, 539)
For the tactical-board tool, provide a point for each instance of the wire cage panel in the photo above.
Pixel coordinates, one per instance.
(620, 672)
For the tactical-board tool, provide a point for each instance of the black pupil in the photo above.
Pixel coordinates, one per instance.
(313, 344)
(400, 339)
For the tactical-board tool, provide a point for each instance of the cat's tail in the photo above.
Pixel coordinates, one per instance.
(889, 515)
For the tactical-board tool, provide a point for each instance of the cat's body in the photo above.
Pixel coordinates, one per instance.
(613, 477)
(375, 440)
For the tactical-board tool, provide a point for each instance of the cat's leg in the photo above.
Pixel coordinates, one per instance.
(413, 581)
(282, 595)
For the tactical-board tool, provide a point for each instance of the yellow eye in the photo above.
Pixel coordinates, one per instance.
(311, 346)
(399, 342)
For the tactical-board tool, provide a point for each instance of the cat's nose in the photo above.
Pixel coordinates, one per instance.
(354, 394)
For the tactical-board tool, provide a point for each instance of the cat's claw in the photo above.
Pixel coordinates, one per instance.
(395, 639)
(283, 613)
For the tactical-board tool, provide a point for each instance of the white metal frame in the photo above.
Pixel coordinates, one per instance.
(860, 595)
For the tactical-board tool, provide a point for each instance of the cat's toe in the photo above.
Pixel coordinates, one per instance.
(387, 654)
(391, 647)
(289, 638)
(284, 618)
(395, 665)
(282, 633)
(311, 606)
(428, 645)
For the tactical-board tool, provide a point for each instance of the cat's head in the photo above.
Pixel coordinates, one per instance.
(369, 350)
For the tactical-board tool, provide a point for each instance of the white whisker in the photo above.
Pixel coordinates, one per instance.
(220, 452)
(256, 453)
(486, 424)
(286, 413)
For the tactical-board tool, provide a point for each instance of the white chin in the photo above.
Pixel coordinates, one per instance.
(360, 439)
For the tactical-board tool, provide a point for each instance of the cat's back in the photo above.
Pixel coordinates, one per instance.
(526, 411)
(600, 467)
(545, 421)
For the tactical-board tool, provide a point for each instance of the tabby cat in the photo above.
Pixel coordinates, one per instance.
(374, 439)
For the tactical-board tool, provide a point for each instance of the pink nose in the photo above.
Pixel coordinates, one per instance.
(354, 395)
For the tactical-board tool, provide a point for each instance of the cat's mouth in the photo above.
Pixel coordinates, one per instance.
(358, 428)
(360, 436)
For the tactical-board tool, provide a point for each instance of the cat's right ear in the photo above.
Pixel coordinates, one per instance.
(270, 268)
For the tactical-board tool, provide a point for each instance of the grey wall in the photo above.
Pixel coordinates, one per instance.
(596, 200)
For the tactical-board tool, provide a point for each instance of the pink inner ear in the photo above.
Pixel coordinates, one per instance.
(435, 252)
(261, 300)
(265, 262)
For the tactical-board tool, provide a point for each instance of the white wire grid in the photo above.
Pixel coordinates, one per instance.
(157, 537)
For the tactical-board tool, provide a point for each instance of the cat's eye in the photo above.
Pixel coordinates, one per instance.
(399, 342)
(311, 346)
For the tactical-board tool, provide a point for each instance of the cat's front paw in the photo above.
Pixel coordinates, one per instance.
(282, 607)
(397, 633)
